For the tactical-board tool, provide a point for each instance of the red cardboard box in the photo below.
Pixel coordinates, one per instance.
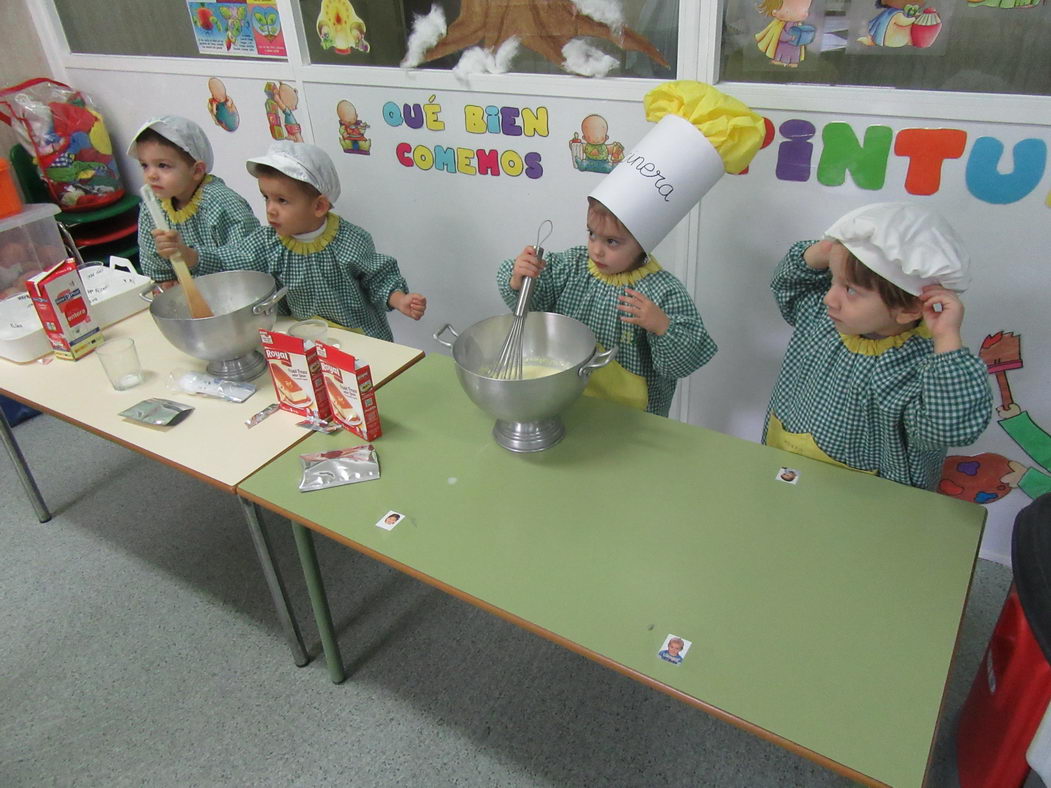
(61, 303)
(296, 373)
(348, 384)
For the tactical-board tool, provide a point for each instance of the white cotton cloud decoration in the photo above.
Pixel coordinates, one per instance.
(584, 59)
(607, 11)
(427, 31)
(484, 61)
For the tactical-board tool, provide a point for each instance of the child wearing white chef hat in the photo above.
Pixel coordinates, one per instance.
(876, 376)
(176, 160)
(613, 284)
(330, 266)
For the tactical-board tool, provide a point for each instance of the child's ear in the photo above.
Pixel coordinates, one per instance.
(322, 205)
(909, 314)
(199, 170)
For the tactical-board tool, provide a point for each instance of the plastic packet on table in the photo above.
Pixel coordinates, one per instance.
(193, 382)
(339, 466)
(157, 411)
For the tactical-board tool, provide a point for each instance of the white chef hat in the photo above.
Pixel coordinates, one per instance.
(300, 161)
(181, 132)
(907, 244)
(701, 133)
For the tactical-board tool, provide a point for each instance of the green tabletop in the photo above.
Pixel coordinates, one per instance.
(822, 615)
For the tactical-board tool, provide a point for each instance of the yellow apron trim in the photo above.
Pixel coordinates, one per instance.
(799, 443)
(319, 243)
(615, 383)
(874, 347)
(180, 215)
(625, 277)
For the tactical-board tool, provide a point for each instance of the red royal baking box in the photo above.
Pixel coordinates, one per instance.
(296, 372)
(62, 305)
(348, 384)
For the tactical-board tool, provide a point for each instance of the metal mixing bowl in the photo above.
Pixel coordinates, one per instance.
(526, 411)
(242, 302)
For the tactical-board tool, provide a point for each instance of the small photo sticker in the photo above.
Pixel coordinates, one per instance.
(788, 475)
(389, 520)
(674, 649)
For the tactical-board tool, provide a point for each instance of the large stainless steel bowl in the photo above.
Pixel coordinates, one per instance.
(526, 411)
(242, 302)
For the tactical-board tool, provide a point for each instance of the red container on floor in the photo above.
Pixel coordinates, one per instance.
(1013, 687)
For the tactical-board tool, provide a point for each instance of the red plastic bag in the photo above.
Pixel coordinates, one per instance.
(68, 139)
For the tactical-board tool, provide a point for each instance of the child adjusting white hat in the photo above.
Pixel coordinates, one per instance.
(909, 245)
(181, 132)
(300, 161)
(701, 134)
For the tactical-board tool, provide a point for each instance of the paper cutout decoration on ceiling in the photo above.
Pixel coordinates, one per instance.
(551, 28)
(787, 36)
(340, 28)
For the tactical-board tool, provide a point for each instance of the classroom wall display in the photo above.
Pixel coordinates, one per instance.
(791, 32)
(591, 149)
(249, 28)
(221, 106)
(900, 26)
(280, 103)
(352, 130)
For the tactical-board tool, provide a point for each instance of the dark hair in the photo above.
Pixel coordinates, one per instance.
(266, 169)
(890, 294)
(598, 209)
(150, 135)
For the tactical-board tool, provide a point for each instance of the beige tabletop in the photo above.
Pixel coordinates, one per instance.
(213, 443)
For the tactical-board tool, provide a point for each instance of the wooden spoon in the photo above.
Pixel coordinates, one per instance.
(194, 300)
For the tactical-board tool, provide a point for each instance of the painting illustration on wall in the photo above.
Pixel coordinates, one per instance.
(590, 148)
(1003, 3)
(489, 33)
(339, 28)
(237, 28)
(352, 129)
(221, 107)
(281, 100)
(789, 33)
(988, 477)
(898, 25)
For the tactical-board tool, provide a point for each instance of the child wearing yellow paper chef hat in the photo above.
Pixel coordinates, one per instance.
(176, 160)
(330, 266)
(613, 284)
(876, 376)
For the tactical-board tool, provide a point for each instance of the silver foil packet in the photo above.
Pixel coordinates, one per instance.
(339, 466)
(157, 411)
(193, 382)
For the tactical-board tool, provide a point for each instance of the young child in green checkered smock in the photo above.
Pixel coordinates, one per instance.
(876, 376)
(330, 266)
(624, 296)
(176, 158)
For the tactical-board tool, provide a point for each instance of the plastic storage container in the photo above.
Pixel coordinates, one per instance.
(1013, 687)
(29, 243)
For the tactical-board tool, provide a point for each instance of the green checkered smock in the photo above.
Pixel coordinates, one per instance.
(339, 276)
(568, 287)
(216, 215)
(889, 406)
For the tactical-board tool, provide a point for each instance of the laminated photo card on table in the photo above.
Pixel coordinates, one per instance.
(389, 520)
(674, 649)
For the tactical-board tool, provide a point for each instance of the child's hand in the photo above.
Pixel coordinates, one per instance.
(526, 264)
(640, 311)
(945, 321)
(169, 243)
(409, 304)
(817, 255)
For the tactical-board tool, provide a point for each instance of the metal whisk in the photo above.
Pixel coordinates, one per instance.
(508, 365)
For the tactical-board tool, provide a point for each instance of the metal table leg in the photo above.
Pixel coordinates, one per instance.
(274, 582)
(319, 601)
(28, 482)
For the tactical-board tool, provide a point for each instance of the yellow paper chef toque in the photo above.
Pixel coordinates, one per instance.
(701, 133)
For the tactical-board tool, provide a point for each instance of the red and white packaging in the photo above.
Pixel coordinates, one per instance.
(62, 305)
(348, 384)
(296, 372)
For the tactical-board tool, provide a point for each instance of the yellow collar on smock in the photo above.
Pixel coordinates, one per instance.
(874, 347)
(625, 277)
(319, 243)
(180, 215)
